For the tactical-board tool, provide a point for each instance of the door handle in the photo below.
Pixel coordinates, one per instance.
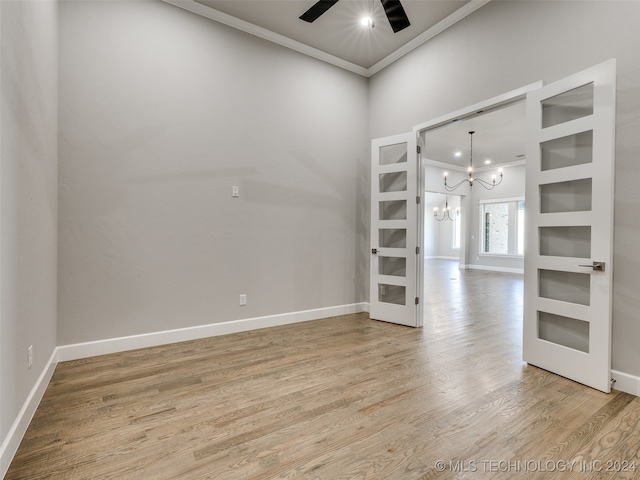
(597, 266)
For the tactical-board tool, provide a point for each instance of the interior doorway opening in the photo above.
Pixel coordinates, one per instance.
(456, 281)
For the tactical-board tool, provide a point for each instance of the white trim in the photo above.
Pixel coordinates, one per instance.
(250, 28)
(19, 428)
(625, 382)
(519, 198)
(83, 350)
(265, 34)
(459, 168)
(492, 269)
(500, 101)
(501, 255)
(427, 35)
(133, 342)
(446, 166)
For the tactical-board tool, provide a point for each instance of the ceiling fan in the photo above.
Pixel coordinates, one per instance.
(393, 9)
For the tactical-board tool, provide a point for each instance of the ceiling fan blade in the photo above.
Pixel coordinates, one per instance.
(317, 9)
(396, 15)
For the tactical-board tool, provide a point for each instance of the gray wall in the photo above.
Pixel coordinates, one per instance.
(28, 198)
(445, 229)
(505, 45)
(161, 113)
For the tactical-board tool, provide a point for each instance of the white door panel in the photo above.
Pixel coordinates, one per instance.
(569, 221)
(394, 236)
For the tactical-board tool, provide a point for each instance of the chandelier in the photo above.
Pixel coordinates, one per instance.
(446, 212)
(471, 179)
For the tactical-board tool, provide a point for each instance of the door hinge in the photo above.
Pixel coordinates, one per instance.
(418, 148)
(613, 380)
(417, 300)
(418, 200)
(417, 250)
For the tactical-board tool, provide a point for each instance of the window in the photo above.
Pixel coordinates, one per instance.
(502, 227)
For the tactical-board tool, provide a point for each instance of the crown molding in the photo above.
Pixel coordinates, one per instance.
(427, 35)
(252, 29)
(483, 168)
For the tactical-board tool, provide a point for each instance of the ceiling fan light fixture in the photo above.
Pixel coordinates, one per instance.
(367, 22)
(393, 9)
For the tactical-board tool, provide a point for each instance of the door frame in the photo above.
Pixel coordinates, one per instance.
(508, 98)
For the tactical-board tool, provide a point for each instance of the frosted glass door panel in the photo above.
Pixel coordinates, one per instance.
(566, 241)
(391, 154)
(565, 331)
(569, 287)
(393, 210)
(394, 266)
(393, 238)
(567, 151)
(567, 106)
(393, 182)
(395, 294)
(571, 196)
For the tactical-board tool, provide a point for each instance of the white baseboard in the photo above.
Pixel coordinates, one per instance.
(19, 428)
(492, 269)
(121, 344)
(82, 350)
(626, 383)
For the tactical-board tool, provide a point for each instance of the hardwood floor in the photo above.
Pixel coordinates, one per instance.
(340, 398)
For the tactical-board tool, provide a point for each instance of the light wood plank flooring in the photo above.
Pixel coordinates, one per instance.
(340, 398)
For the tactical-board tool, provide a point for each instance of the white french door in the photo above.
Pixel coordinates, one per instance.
(394, 230)
(569, 222)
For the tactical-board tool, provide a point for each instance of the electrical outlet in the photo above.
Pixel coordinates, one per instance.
(235, 191)
(30, 355)
(243, 299)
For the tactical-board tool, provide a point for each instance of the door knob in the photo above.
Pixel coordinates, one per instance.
(597, 266)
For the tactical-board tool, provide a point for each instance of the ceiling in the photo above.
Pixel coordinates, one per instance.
(499, 136)
(337, 36)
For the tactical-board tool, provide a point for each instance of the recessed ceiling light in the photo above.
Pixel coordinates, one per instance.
(487, 162)
(458, 154)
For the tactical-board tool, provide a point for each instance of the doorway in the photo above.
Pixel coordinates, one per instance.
(570, 141)
(488, 212)
(472, 233)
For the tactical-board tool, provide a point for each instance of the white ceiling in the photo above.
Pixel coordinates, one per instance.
(337, 36)
(499, 136)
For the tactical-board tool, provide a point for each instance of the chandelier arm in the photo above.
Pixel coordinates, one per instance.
(451, 189)
(485, 184)
(446, 215)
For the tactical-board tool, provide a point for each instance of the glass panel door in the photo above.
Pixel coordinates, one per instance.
(394, 217)
(569, 220)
